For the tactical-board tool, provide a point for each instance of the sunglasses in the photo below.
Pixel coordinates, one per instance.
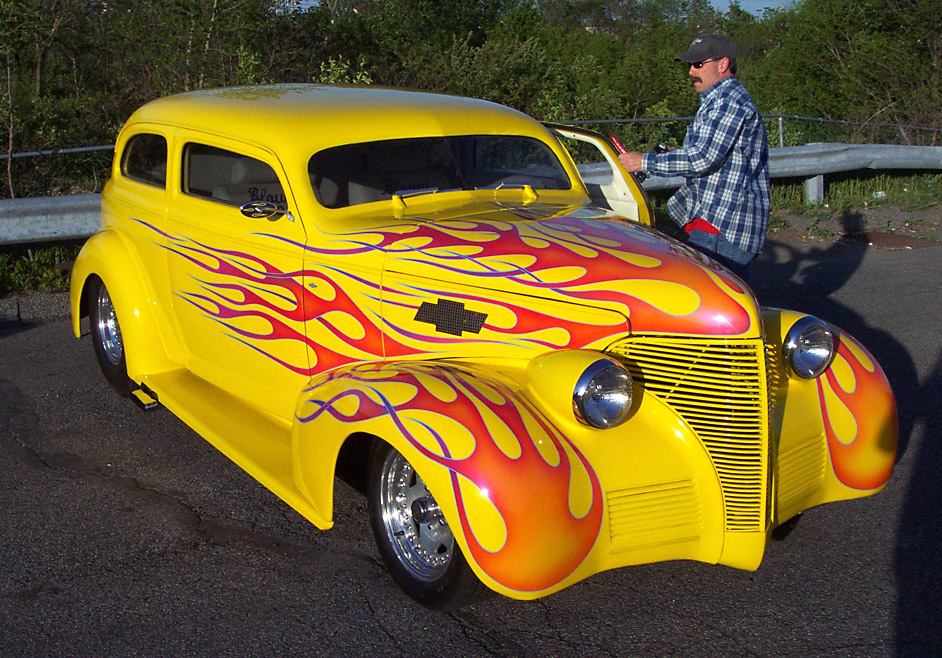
(699, 65)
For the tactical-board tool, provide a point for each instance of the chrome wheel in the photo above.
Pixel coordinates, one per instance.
(414, 525)
(106, 337)
(413, 537)
(107, 331)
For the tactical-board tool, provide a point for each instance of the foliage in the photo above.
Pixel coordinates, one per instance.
(341, 72)
(909, 191)
(863, 60)
(71, 71)
(24, 269)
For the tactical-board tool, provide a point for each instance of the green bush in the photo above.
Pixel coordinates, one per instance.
(24, 269)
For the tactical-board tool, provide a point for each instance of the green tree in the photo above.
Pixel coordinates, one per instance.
(861, 60)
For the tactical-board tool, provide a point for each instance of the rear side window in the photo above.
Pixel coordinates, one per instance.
(229, 177)
(145, 159)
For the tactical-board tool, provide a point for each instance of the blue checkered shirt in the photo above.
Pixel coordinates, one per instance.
(725, 159)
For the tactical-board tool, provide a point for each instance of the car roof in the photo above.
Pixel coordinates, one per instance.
(311, 117)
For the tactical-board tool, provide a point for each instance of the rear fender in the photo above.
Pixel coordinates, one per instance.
(109, 258)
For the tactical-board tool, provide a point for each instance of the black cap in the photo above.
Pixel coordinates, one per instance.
(709, 46)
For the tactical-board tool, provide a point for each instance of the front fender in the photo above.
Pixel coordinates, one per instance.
(522, 483)
(509, 482)
(835, 437)
(107, 256)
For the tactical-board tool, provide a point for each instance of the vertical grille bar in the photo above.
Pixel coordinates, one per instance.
(718, 387)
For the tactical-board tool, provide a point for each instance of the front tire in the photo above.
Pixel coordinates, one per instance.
(413, 537)
(106, 337)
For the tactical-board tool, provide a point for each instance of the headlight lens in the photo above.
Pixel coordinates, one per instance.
(809, 347)
(602, 397)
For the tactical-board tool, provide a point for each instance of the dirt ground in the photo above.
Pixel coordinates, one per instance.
(885, 227)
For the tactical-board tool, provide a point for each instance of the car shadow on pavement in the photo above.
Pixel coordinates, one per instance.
(804, 280)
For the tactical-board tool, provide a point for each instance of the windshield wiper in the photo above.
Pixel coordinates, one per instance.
(399, 195)
(405, 194)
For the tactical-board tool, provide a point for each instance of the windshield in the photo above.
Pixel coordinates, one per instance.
(372, 171)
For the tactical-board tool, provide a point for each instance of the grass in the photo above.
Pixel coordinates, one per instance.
(906, 190)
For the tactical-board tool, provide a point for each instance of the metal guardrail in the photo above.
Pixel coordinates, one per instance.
(813, 161)
(49, 218)
(46, 219)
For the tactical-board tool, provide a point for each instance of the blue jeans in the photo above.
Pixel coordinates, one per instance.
(723, 251)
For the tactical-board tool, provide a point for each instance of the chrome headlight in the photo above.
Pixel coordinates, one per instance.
(809, 347)
(602, 397)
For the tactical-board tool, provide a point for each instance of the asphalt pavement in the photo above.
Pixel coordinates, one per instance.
(123, 533)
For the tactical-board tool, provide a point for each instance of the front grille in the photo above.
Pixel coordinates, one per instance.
(718, 387)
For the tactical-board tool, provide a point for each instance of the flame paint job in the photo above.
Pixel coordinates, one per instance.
(859, 413)
(657, 284)
(240, 286)
(660, 285)
(511, 443)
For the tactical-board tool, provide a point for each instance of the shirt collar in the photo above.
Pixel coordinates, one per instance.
(706, 94)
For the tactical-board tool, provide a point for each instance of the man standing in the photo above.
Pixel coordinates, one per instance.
(724, 203)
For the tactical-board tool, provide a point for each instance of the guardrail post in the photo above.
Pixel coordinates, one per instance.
(814, 190)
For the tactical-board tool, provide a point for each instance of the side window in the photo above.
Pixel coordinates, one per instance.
(145, 159)
(229, 177)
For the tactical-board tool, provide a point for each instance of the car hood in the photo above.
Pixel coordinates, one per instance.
(576, 255)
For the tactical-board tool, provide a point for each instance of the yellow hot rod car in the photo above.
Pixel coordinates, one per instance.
(533, 384)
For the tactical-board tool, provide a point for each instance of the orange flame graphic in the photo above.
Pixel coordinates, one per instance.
(859, 417)
(545, 539)
(616, 262)
(601, 263)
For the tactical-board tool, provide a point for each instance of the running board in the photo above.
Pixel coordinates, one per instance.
(257, 442)
(145, 398)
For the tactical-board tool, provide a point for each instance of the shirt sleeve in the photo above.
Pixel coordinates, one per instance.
(708, 142)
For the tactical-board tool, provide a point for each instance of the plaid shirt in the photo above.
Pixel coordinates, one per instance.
(725, 159)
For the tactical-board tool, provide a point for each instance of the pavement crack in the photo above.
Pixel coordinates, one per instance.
(190, 517)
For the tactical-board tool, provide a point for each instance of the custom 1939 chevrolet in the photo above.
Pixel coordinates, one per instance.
(533, 384)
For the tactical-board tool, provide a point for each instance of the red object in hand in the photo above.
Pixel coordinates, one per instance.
(699, 224)
(621, 149)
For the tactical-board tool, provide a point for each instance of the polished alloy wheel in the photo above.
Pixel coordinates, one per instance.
(109, 334)
(418, 534)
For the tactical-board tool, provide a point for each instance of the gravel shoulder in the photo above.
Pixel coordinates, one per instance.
(884, 227)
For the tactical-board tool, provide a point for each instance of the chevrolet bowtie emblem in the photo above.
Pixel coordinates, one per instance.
(450, 317)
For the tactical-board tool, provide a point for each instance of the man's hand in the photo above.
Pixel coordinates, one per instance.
(631, 161)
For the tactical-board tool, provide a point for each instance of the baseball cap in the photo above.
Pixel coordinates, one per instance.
(708, 46)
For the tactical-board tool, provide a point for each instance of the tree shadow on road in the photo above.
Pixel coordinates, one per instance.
(919, 538)
(805, 280)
